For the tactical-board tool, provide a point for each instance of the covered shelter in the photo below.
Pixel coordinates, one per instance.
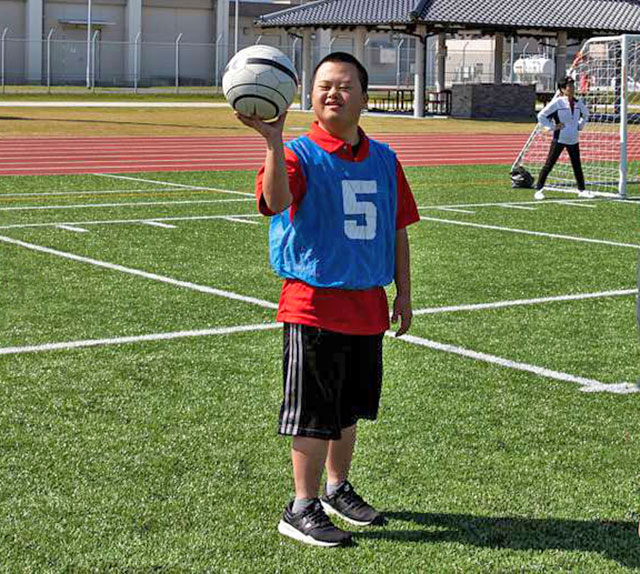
(556, 20)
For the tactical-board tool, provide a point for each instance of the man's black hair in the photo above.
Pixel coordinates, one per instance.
(346, 58)
(562, 84)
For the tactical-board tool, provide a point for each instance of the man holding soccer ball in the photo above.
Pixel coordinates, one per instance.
(339, 205)
(565, 116)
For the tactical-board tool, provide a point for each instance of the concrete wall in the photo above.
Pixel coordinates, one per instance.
(12, 16)
(161, 25)
(69, 41)
(161, 21)
(469, 61)
(490, 101)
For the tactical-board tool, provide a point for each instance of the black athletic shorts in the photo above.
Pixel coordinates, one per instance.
(330, 381)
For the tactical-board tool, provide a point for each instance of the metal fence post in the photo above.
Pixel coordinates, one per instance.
(218, 60)
(94, 41)
(398, 54)
(51, 31)
(237, 25)
(2, 56)
(293, 50)
(178, 62)
(135, 62)
(89, 44)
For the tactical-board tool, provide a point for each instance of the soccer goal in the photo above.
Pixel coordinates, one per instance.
(607, 76)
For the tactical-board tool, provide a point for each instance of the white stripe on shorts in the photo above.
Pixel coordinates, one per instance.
(291, 411)
(300, 364)
(287, 385)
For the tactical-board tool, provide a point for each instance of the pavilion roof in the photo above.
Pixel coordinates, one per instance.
(583, 18)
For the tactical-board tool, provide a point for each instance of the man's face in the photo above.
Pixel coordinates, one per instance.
(337, 97)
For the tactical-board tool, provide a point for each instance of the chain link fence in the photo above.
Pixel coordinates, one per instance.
(174, 65)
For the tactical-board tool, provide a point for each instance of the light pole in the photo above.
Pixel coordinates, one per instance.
(89, 44)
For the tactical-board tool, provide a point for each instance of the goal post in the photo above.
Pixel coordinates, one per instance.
(607, 78)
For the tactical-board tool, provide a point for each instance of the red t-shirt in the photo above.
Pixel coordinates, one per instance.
(355, 312)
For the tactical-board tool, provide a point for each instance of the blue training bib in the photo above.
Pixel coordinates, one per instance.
(343, 233)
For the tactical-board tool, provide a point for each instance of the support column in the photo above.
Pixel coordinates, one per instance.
(307, 71)
(441, 65)
(361, 36)
(325, 43)
(133, 19)
(222, 27)
(33, 48)
(512, 52)
(561, 56)
(419, 78)
(498, 49)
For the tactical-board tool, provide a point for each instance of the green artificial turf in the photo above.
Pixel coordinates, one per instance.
(162, 455)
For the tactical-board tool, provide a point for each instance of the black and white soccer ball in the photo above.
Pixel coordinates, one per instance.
(260, 80)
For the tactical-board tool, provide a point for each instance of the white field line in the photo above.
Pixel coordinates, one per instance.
(140, 273)
(73, 228)
(89, 192)
(518, 302)
(587, 385)
(510, 206)
(240, 220)
(503, 203)
(528, 232)
(80, 169)
(453, 209)
(172, 184)
(124, 204)
(136, 339)
(159, 224)
(576, 204)
(178, 149)
(573, 192)
(105, 164)
(125, 221)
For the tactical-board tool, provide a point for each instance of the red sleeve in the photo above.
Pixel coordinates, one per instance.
(407, 209)
(297, 183)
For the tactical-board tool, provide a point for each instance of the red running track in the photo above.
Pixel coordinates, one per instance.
(66, 155)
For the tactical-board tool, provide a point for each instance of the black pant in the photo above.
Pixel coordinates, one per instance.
(552, 158)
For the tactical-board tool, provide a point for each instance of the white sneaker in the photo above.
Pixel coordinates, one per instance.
(585, 194)
(539, 194)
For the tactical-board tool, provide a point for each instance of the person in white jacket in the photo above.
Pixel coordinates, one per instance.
(565, 116)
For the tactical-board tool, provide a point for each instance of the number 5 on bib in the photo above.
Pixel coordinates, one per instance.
(353, 206)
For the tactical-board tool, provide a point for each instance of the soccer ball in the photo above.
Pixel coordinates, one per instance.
(261, 81)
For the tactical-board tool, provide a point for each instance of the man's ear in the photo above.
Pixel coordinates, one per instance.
(365, 100)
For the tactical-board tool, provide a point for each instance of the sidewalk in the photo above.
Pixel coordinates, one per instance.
(106, 104)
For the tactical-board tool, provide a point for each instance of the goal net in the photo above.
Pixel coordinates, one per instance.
(607, 78)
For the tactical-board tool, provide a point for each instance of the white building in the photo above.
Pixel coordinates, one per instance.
(129, 38)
